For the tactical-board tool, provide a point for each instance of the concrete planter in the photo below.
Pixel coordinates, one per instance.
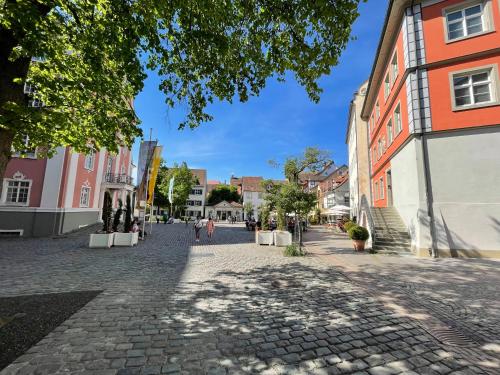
(264, 237)
(282, 238)
(101, 240)
(126, 239)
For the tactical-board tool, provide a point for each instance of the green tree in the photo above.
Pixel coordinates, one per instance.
(107, 211)
(184, 180)
(248, 209)
(127, 225)
(223, 193)
(161, 194)
(92, 57)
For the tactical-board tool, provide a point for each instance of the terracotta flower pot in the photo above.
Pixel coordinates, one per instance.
(359, 245)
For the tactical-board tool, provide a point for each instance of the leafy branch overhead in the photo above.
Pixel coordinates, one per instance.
(94, 55)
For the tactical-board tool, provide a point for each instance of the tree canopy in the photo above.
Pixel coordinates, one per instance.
(92, 57)
(184, 180)
(223, 193)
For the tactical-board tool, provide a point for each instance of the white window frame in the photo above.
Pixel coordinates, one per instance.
(381, 184)
(379, 148)
(88, 190)
(390, 133)
(394, 67)
(486, 19)
(377, 110)
(89, 157)
(387, 85)
(27, 155)
(494, 86)
(375, 190)
(6, 186)
(398, 125)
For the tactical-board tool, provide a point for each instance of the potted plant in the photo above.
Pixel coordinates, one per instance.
(127, 238)
(264, 236)
(358, 235)
(106, 236)
(282, 237)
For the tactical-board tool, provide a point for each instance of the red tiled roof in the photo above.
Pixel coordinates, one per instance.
(252, 183)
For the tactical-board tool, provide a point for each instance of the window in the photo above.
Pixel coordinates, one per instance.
(397, 119)
(465, 22)
(380, 149)
(473, 88)
(85, 196)
(36, 103)
(389, 132)
(29, 88)
(394, 67)
(372, 123)
(17, 192)
(196, 191)
(387, 85)
(374, 157)
(381, 185)
(27, 151)
(377, 110)
(346, 199)
(375, 190)
(89, 161)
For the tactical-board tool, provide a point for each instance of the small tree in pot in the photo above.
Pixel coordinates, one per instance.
(118, 216)
(107, 211)
(358, 235)
(127, 225)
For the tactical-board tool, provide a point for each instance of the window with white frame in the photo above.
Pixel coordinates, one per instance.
(27, 151)
(381, 191)
(375, 190)
(377, 110)
(17, 192)
(394, 67)
(397, 120)
(36, 103)
(372, 125)
(89, 161)
(473, 88)
(29, 88)
(85, 196)
(464, 22)
(374, 154)
(389, 132)
(387, 85)
(380, 149)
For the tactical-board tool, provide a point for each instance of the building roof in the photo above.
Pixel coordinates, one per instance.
(201, 174)
(252, 184)
(392, 22)
(214, 182)
(226, 204)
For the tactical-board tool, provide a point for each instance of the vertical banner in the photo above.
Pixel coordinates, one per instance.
(171, 190)
(145, 158)
(154, 172)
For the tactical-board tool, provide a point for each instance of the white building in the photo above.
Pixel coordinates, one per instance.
(195, 204)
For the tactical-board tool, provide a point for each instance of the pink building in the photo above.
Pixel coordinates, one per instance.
(43, 197)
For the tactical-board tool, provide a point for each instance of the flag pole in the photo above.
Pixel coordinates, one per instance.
(147, 187)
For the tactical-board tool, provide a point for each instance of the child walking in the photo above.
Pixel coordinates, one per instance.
(210, 227)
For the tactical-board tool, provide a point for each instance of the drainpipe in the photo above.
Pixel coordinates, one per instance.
(425, 154)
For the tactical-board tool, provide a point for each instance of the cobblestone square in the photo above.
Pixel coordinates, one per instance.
(221, 306)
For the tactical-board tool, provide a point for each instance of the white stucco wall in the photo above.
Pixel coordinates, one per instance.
(253, 197)
(409, 197)
(465, 177)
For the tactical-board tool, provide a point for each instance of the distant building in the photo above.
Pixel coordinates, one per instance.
(50, 196)
(359, 160)
(195, 204)
(224, 210)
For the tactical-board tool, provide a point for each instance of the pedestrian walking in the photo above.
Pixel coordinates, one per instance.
(186, 220)
(210, 227)
(197, 228)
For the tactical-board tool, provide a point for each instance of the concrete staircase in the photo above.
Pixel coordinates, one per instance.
(391, 234)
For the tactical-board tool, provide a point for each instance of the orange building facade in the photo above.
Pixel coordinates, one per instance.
(433, 114)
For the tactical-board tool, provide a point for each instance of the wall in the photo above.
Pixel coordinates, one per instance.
(464, 169)
(32, 169)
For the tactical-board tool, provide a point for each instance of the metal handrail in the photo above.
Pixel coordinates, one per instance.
(118, 178)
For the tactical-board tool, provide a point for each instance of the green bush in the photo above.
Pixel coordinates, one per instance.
(293, 251)
(348, 225)
(358, 233)
(313, 220)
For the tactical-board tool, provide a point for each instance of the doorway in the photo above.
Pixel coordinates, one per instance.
(389, 188)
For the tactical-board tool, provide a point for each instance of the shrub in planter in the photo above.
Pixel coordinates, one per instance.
(348, 225)
(106, 237)
(358, 235)
(118, 216)
(265, 236)
(127, 225)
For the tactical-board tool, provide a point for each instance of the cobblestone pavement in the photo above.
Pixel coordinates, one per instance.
(174, 306)
(460, 296)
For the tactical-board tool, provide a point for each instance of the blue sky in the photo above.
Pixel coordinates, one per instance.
(282, 121)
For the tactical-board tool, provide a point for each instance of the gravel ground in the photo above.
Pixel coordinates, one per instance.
(30, 318)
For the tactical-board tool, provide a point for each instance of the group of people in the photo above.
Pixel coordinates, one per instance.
(198, 225)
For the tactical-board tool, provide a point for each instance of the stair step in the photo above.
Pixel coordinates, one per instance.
(390, 242)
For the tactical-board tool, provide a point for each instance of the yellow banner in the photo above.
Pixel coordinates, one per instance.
(155, 166)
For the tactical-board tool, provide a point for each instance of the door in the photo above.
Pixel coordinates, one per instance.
(389, 188)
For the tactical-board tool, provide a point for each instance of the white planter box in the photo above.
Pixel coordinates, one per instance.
(101, 240)
(264, 237)
(177, 221)
(282, 238)
(126, 239)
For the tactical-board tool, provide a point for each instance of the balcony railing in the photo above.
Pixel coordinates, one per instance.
(118, 178)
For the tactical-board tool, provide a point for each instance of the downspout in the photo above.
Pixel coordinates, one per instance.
(433, 252)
